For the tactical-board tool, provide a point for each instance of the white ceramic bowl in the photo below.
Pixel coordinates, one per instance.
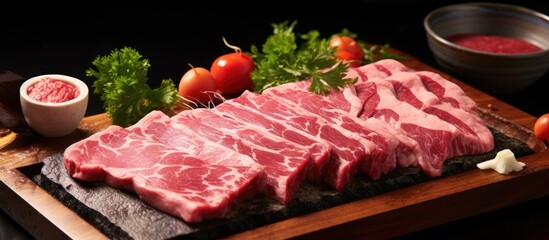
(492, 72)
(54, 119)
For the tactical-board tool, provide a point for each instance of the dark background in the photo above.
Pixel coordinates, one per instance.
(41, 38)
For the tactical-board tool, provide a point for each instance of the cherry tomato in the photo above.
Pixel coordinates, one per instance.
(232, 72)
(353, 60)
(197, 85)
(348, 44)
(541, 128)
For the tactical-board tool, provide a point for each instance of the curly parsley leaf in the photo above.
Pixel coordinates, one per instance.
(121, 82)
(282, 60)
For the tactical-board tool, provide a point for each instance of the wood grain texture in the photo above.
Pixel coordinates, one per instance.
(382, 216)
(38, 212)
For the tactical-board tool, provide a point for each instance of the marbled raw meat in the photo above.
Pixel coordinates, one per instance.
(286, 163)
(168, 179)
(319, 148)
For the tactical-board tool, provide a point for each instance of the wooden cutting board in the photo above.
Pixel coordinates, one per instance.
(381, 216)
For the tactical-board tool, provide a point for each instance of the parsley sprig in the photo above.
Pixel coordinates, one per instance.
(282, 60)
(121, 82)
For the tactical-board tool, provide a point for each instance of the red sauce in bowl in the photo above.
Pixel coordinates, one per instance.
(52, 91)
(494, 43)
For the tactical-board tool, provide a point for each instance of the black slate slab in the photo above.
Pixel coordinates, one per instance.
(121, 215)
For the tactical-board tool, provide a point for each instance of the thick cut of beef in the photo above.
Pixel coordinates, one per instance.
(438, 139)
(447, 92)
(380, 147)
(431, 93)
(347, 152)
(224, 146)
(408, 152)
(409, 87)
(286, 163)
(345, 99)
(168, 179)
(380, 69)
(157, 126)
(450, 104)
(319, 148)
(381, 155)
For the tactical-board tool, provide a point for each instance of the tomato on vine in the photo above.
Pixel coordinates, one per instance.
(232, 71)
(348, 57)
(197, 85)
(348, 49)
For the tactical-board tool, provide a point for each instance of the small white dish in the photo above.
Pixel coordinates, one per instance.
(54, 119)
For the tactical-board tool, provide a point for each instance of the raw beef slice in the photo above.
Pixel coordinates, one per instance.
(166, 178)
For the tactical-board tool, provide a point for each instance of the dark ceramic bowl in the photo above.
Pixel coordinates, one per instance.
(497, 73)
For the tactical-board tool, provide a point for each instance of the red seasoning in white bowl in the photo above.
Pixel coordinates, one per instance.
(53, 104)
(52, 90)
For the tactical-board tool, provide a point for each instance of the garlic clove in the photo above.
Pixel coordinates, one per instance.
(504, 162)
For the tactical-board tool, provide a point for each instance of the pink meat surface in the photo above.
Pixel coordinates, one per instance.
(348, 151)
(319, 148)
(157, 126)
(439, 140)
(379, 146)
(345, 99)
(433, 98)
(286, 163)
(170, 180)
(447, 92)
(380, 69)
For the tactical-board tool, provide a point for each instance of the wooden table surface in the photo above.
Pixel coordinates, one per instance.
(385, 215)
